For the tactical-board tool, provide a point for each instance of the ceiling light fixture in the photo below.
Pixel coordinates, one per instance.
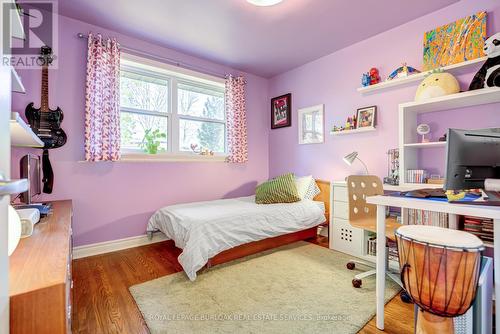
(262, 3)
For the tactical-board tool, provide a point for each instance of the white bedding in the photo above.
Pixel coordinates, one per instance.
(204, 229)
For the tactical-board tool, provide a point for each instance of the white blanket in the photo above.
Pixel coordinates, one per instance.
(204, 229)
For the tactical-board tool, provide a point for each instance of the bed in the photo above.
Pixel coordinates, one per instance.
(214, 232)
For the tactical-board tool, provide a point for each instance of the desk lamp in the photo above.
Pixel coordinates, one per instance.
(349, 159)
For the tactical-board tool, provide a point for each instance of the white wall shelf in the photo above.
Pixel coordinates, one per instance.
(21, 134)
(454, 101)
(17, 84)
(16, 25)
(353, 131)
(13, 187)
(413, 186)
(408, 119)
(453, 69)
(429, 144)
(16, 31)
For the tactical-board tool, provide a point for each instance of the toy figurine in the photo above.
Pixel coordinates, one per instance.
(374, 76)
(402, 71)
(354, 121)
(365, 79)
(348, 123)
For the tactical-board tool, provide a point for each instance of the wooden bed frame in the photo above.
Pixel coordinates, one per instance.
(269, 243)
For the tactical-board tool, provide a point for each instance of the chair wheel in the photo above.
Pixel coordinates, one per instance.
(351, 265)
(405, 297)
(357, 283)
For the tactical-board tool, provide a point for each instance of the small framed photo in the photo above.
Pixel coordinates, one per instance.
(281, 115)
(311, 124)
(366, 117)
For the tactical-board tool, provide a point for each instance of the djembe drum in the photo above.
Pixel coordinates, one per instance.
(439, 269)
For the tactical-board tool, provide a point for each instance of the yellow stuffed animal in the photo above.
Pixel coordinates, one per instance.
(437, 84)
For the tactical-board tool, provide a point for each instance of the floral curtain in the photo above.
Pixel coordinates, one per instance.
(102, 97)
(236, 120)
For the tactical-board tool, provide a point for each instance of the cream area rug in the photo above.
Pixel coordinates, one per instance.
(298, 288)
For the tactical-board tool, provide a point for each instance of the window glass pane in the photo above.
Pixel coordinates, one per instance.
(200, 101)
(143, 92)
(134, 127)
(207, 135)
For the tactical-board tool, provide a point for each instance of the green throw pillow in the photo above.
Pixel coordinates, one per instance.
(281, 189)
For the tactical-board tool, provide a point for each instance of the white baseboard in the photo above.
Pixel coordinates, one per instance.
(115, 245)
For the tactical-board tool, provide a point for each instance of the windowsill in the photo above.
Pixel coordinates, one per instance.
(163, 157)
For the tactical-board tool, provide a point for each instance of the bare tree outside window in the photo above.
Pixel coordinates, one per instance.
(197, 117)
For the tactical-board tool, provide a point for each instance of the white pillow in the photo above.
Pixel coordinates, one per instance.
(306, 187)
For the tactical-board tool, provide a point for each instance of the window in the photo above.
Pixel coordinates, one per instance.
(183, 113)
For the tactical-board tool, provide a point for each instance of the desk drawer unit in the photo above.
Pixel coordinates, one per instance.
(344, 237)
(340, 210)
(340, 194)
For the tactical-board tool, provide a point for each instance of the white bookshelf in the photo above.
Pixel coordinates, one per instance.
(453, 69)
(409, 144)
(353, 131)
(21, 134)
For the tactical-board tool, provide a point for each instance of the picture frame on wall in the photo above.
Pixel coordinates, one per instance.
(312, 124)
(281, 115)
(366, 117)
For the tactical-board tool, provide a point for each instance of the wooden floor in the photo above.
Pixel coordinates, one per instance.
(103, 304)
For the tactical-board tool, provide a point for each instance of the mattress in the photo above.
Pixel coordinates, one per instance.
(204, 229)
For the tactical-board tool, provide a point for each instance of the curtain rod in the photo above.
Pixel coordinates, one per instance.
(165, 59)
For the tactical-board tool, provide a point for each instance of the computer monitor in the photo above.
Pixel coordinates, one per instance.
(471, 157)
(30, 169)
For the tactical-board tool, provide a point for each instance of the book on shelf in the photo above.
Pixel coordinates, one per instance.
(480, 227)
(416, 176)
(392, 248)
(424, 217)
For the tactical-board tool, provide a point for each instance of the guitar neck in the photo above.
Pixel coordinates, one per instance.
(45, 89)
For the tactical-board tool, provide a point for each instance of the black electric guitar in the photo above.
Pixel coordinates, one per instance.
(45, 122)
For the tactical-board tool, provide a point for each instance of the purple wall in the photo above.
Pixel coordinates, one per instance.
(115, 200)
(333, 80)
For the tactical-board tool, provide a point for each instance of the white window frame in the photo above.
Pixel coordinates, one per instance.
(173, 75)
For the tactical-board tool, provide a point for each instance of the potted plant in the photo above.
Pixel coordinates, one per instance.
(152, 140)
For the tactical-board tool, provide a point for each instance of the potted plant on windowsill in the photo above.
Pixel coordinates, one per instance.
(152, 140)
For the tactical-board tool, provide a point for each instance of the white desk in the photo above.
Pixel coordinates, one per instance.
(454, 209)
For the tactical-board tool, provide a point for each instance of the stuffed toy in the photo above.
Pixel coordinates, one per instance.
(489, 74)
(437, 84)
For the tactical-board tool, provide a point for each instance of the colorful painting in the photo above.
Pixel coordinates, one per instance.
(455, 42)
(281, 107)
